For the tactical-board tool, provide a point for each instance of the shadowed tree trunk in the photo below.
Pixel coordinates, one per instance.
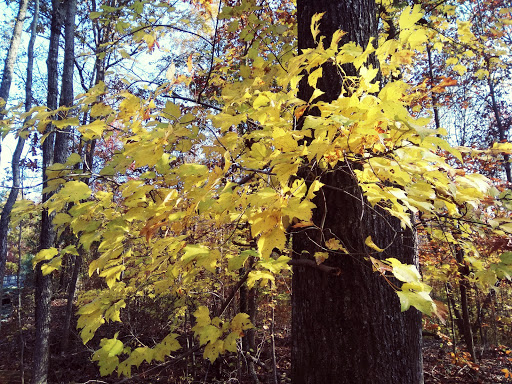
(502, 130)
(43, 289)
(464, 304)
(5, 88)
(349, 328)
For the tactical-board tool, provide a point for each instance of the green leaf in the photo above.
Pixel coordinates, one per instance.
(236, 262)
(112, 347)
(506, 257)
(172, 110)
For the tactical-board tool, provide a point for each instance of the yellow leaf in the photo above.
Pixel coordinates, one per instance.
(460, 69)
(315, 24)
(74, 191)
(260, 101)
(335, 245)
(369, 242)
(213, 350)
(409, 16)
(301, 209)
(202, 315)
(240, 323)
(320, 257)
(314, 76)
(270, 240)
(44, 254)
(316, 94)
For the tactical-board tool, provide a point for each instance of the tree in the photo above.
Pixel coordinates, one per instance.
(195, 192)
(12, 53)
(55, 150)
(5, 88)
(354, 315)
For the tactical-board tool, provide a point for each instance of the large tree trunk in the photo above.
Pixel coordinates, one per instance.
(349, 328)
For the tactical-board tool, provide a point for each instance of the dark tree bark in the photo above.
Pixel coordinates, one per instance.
(248, 305)
(464, 304)
(43, 289)
(62, 138)
(76, 262)
(348, 328)
(502, 130)
(435, 107)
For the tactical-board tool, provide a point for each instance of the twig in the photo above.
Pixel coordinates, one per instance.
(312, 264)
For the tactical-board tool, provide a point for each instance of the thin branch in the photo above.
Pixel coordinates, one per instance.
(312, 264)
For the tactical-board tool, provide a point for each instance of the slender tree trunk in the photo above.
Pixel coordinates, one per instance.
(464, 305)
(502, 131)
(12, 53)
(349, 328)
(5, 88)
(435, 107)
(20, 323)
(451, 308)
(62, 148)
(62, 138)
(77, 262)
(47, 238)
(248, 305)
(456, 312)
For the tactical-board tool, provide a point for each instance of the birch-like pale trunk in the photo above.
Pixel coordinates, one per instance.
(12, 54)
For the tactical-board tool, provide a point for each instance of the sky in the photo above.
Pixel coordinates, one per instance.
(17, 95)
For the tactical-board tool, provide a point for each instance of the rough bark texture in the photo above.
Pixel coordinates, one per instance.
(62, 138)
(464, 304)
(503, 131)
(76, 262)
(435, 107)
(349, 328)
(43, 289)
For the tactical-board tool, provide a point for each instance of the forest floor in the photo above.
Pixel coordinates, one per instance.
(440, 364)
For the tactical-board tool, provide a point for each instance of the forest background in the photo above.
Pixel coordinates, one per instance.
(190, 157)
